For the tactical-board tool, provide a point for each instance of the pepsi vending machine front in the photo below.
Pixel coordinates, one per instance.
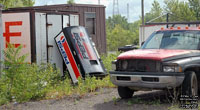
(84, 52)
(68, 57)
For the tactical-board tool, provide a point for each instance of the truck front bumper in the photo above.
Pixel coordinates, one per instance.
(146, 80)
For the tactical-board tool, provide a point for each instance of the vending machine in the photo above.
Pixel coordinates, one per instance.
(79, 53)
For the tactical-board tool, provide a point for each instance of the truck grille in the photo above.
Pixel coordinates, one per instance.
(139, 65)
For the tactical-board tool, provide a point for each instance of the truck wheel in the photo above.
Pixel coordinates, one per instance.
(190, 84)
(125, 92)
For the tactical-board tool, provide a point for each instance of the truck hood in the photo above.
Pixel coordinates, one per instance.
(153, 54)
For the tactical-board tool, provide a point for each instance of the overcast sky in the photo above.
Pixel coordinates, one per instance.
(134, 6)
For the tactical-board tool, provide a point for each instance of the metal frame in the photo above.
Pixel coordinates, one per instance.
(1, 40)
(173, 23)
(95, 24)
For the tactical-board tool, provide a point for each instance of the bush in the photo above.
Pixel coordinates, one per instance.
(107, 59)
(21, 81)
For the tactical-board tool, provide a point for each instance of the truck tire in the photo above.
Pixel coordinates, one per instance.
(190, 84)
(125, 92)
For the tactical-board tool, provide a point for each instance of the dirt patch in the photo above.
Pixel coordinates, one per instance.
(104, 99)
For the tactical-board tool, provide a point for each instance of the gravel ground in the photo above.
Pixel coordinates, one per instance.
(104, 99)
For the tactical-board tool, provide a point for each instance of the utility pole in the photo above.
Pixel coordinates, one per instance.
(128, 12)
(115, 7)
(99, 2)
(142, 6)
(167, 20)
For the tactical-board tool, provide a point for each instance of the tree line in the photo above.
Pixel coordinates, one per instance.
(121, 33)
(16, 3)
(178, 11)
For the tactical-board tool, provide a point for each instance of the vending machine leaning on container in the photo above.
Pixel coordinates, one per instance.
(79, 53)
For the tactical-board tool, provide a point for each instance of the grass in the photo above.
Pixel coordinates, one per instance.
(22, 82)
(142, 101)
(90, 84)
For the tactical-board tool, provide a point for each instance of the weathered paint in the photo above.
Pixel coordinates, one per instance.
(152, 54)
(68, 57)
(99, 37)
(74, 20)
(70, 15)
(83, 51)
(16, 30)
(54, 27)
(41, 46)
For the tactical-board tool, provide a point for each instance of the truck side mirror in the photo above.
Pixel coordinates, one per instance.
(142, 43)
(127, 48)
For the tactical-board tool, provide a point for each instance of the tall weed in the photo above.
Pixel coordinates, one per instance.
(21, 81)
(107, 59)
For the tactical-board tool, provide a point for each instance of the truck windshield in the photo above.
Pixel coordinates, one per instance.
(183, 39)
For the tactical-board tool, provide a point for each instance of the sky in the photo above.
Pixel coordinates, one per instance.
(134, 6)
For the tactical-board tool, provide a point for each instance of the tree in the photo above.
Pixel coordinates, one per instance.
(195, 6)
(117, 20)
(70, 2)
(156, 11)
(28, 2)
(120, 33)
(16, 3)
(180, 11)
(119, 37)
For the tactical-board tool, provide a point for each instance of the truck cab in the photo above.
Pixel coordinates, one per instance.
(169, 58)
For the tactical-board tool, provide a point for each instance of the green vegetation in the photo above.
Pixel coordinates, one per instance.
(16, 3)
(21, 82)
(155, 11)
(70, 2)
(143, 101)
(178, 11)
(107, 59)
(120, 32)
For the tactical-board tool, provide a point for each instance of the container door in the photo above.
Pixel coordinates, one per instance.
(74, 20)
(66, 22)
(40, 31)
(54, 26)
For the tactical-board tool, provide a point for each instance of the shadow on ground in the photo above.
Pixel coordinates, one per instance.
(155, 100)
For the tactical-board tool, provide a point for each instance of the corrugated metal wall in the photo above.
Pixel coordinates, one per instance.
(100, 37)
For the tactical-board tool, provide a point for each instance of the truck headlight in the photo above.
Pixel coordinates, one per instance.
(114, 65)
(124, 64)
(172, 68)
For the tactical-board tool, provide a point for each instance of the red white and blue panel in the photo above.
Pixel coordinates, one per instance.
(68, 57)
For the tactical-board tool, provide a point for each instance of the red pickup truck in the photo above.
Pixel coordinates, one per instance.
(169, 58)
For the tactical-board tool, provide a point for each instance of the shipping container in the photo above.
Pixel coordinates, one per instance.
(35, 28)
